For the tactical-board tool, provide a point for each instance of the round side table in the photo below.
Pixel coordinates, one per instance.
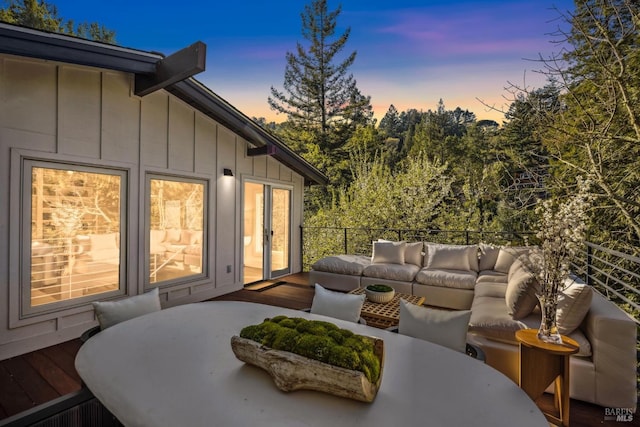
(542, 363)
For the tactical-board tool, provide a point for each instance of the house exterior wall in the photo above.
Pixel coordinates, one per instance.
(90, 116)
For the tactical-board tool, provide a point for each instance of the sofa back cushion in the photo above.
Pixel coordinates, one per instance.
(522, 287)
(451, 257)
(574, 302)
(442, 327)
(388, 252)
(488, 256)
(507, 255)
(413, 253)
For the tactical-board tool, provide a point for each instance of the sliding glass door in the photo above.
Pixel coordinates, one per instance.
(266, 231)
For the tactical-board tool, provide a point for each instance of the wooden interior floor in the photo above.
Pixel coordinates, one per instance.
(41, 376)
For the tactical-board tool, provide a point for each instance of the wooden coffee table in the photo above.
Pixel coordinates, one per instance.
(385, 315)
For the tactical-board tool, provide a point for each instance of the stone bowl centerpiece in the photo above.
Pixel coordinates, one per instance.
(379, 293)
(313, 355)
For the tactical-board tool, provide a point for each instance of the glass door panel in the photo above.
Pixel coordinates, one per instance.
(253, 241)
(280, 235)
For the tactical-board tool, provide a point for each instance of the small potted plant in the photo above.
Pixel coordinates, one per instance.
(379, 293)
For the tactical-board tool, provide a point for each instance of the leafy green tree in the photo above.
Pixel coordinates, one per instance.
(524, 161)
(410, 198)
(44, 16)
(596, 131)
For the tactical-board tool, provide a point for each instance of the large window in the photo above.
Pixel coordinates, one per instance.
(76, 226)
(177, 210)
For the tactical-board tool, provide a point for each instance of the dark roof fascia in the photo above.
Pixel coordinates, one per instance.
(27, 42)
(199, 96)
(21, 41)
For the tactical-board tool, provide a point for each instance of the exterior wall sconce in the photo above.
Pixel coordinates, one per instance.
(227, 172)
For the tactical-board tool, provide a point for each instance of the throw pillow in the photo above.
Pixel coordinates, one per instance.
(452, 257)
(442, 327)
(388, 252)
(506, 257)
(413, 253)
(110, 313)
(520, 294)
(337, 304)
(574, 302)
(488, 256)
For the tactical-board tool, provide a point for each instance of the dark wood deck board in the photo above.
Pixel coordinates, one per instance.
(22, 385)
(13, 399)
(53, 374)
(64, 360)
(35, 388)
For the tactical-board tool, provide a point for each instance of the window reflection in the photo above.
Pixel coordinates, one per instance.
(176, 229)
(75, 234)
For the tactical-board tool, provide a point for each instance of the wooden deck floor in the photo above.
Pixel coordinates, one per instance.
(41, 376)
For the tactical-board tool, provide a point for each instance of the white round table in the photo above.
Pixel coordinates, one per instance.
(175, 367)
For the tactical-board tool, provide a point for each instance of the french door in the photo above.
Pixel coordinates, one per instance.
(266, 231)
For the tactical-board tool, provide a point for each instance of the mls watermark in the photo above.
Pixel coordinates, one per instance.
(618, 414)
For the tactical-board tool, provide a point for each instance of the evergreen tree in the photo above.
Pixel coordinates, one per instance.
(44, 16)
(391, 124)
(320, 97)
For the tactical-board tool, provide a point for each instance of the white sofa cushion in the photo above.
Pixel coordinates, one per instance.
(351, 265)
(443, 327)
(451, 257)
(337, 304)
(388, 252)
(488, 256)
(522, 286)
(447, 278)
(413, 253)
(507, 255)
(490, 318)
(401, 273)
(574, 302)
(488, 289)
(490, 276)
(110, 313)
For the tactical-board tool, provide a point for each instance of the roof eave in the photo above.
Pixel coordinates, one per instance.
(27, 42)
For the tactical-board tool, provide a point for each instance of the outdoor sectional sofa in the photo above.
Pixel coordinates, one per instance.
(499, 290)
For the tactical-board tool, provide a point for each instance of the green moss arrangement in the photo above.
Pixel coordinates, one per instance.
(380, 288)
(318, 340)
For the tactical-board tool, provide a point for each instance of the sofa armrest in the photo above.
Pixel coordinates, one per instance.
(612, 334)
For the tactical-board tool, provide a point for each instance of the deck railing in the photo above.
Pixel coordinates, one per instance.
(614, 274)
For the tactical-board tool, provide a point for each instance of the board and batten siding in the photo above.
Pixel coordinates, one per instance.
(85, 115)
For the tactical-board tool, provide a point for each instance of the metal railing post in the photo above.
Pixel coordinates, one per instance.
(589, 263)
(346, 242)
(302, 247)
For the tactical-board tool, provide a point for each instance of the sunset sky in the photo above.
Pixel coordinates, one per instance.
(409, 53)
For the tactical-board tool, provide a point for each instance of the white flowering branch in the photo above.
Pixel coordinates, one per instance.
(561, 233)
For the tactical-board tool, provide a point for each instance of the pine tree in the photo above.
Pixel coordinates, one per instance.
(44, 16)
(319, 95)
